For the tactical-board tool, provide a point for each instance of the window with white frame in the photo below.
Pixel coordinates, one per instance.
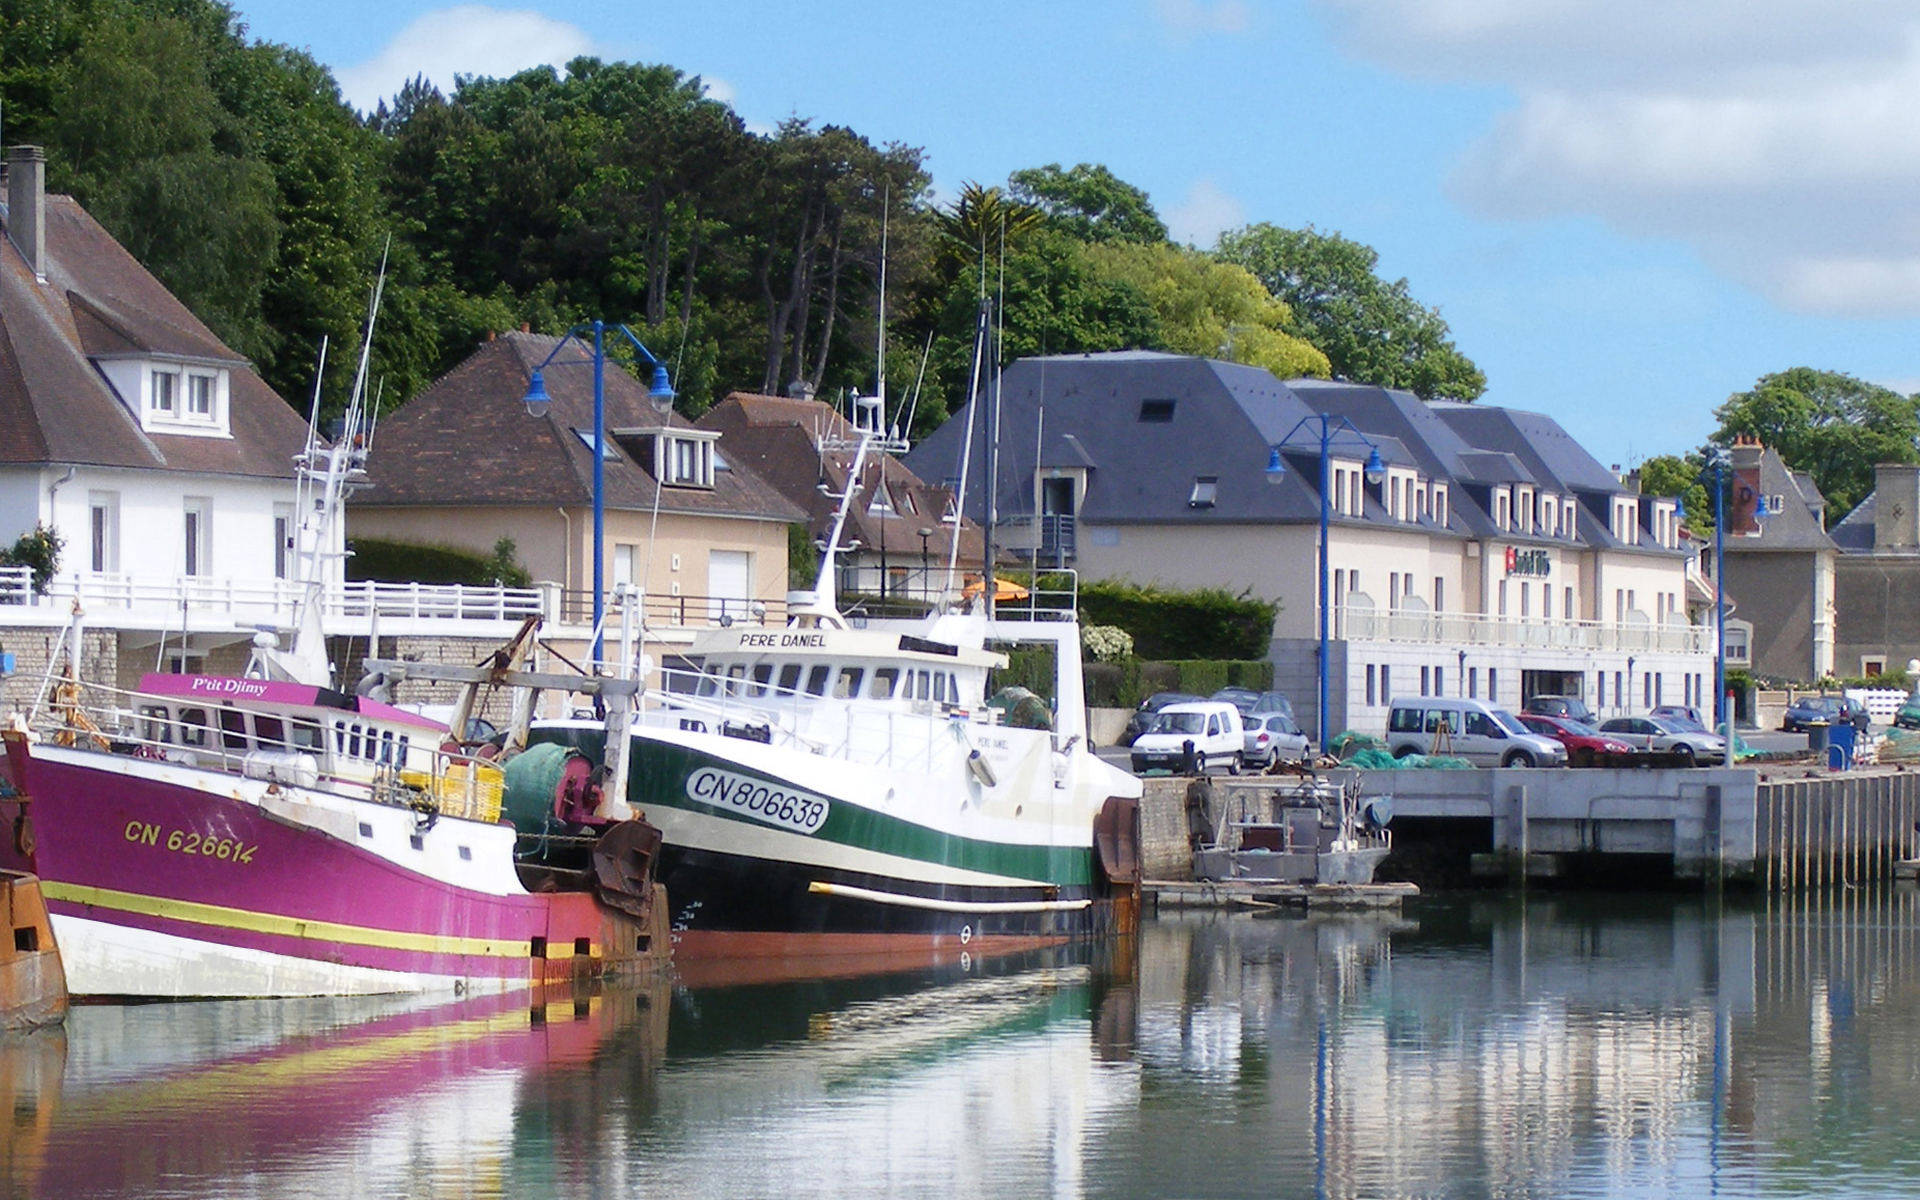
(197, 536)
(1439, 504)
(688, 461)
(1502, 508)
(200, 397)
(165, 390)
(1523, 510)
(283, 541)
(103, 531)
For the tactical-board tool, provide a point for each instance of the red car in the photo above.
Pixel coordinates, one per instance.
(1586, 746)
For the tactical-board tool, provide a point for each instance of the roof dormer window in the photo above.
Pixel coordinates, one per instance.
(685, 457)
(174, 397)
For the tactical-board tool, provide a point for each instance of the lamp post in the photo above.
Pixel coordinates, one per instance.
(538, 401)
(926, 578)
(1722, 718)
(1333, 430)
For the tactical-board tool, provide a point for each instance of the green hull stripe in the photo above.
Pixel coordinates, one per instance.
(658, 773)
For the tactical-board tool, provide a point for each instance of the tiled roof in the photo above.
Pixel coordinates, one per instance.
(97, 300)
(778, 438)
(468, 441)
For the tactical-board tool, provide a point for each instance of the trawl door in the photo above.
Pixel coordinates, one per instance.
(729, 584)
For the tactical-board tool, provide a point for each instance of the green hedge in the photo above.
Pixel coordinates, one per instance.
(1207, 623)
(1124, 685)
(387, 561)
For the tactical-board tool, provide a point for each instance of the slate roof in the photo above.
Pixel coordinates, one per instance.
(467, 441)
(97, 300)
(1086, 410)
(1536, 441)
(1853, 533)
(1797, 525)
(778, 438)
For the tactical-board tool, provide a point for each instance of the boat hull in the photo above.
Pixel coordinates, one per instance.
(160, 886)
(861, 877)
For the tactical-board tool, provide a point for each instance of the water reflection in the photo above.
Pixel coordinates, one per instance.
(1482, 1046)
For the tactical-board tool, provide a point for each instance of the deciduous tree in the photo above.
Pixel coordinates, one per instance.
(1371, 330)
(1829, 424)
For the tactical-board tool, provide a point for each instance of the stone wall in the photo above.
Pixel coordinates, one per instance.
(32, 647)
(1164, 852)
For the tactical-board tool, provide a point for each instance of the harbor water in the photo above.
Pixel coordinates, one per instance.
(1471, 1046)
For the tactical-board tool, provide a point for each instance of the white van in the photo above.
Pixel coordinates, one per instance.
(1206, 733)
(1475, 730)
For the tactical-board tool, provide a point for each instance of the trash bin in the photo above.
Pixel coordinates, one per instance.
(1817, 737)
(1841, 739)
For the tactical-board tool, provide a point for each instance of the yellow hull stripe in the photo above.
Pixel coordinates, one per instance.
(273, 923)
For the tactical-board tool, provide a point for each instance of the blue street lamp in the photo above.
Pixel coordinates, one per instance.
(1333, 430)
(537, 402)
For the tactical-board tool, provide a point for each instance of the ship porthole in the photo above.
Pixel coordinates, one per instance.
(966, 934)
(966, 961)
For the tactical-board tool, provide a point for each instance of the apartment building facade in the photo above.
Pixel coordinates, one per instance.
(1492, 557)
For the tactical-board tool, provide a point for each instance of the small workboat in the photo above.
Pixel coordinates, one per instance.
(33, 986)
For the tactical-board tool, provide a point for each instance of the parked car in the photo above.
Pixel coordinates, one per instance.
(1273, 737)
(1660, 737)
(1571, 707)
(1476, 731)
(1586, 746)
(1200, 734)
(1137, 723)
(1250, 702)
(1830, 709)
(1684, 713)
(1909, 715)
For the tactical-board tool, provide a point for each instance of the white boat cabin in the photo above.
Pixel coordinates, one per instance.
(785, 668)
(269, 730)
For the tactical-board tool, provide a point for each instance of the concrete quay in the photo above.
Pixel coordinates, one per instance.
(1765, 828)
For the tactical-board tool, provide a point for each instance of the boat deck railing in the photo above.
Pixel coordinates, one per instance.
(371, 764)
(872, 731)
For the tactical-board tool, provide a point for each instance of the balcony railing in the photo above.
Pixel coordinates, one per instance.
(1368, 624)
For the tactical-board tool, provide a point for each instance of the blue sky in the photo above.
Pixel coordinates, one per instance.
(1625, 209)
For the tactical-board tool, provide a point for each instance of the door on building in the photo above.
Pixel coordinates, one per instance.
(1056, 521)
(729, 585)
(1552, 683)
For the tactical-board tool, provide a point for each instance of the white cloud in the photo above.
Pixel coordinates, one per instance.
(1188, 17)
(1780, 139)
(718, 89)
(1206, 212)
(468, 39)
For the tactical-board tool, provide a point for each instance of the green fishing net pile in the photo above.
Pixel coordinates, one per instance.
(1369, 753)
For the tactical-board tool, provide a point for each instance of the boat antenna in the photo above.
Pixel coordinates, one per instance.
(966, 447)
(324, 480)
(913, 410)
(989, 588)
(823, 586)
(880, 338)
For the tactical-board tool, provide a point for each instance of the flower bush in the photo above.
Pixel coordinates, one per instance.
(1106, 643)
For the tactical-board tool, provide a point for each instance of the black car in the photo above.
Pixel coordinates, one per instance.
(1251, 703)
(1573, 708)
(1137, 723)
(1828, 710)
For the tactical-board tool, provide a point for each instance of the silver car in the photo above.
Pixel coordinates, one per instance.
(1664, 737)
(1273, 737)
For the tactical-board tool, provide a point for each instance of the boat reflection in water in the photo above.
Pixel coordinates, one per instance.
(1490, 1045)
(329, 1097)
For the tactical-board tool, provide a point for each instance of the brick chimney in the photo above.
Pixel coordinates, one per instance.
(27, 205)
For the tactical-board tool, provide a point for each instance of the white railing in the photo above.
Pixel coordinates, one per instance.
(1367, 624)
(102, 596)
